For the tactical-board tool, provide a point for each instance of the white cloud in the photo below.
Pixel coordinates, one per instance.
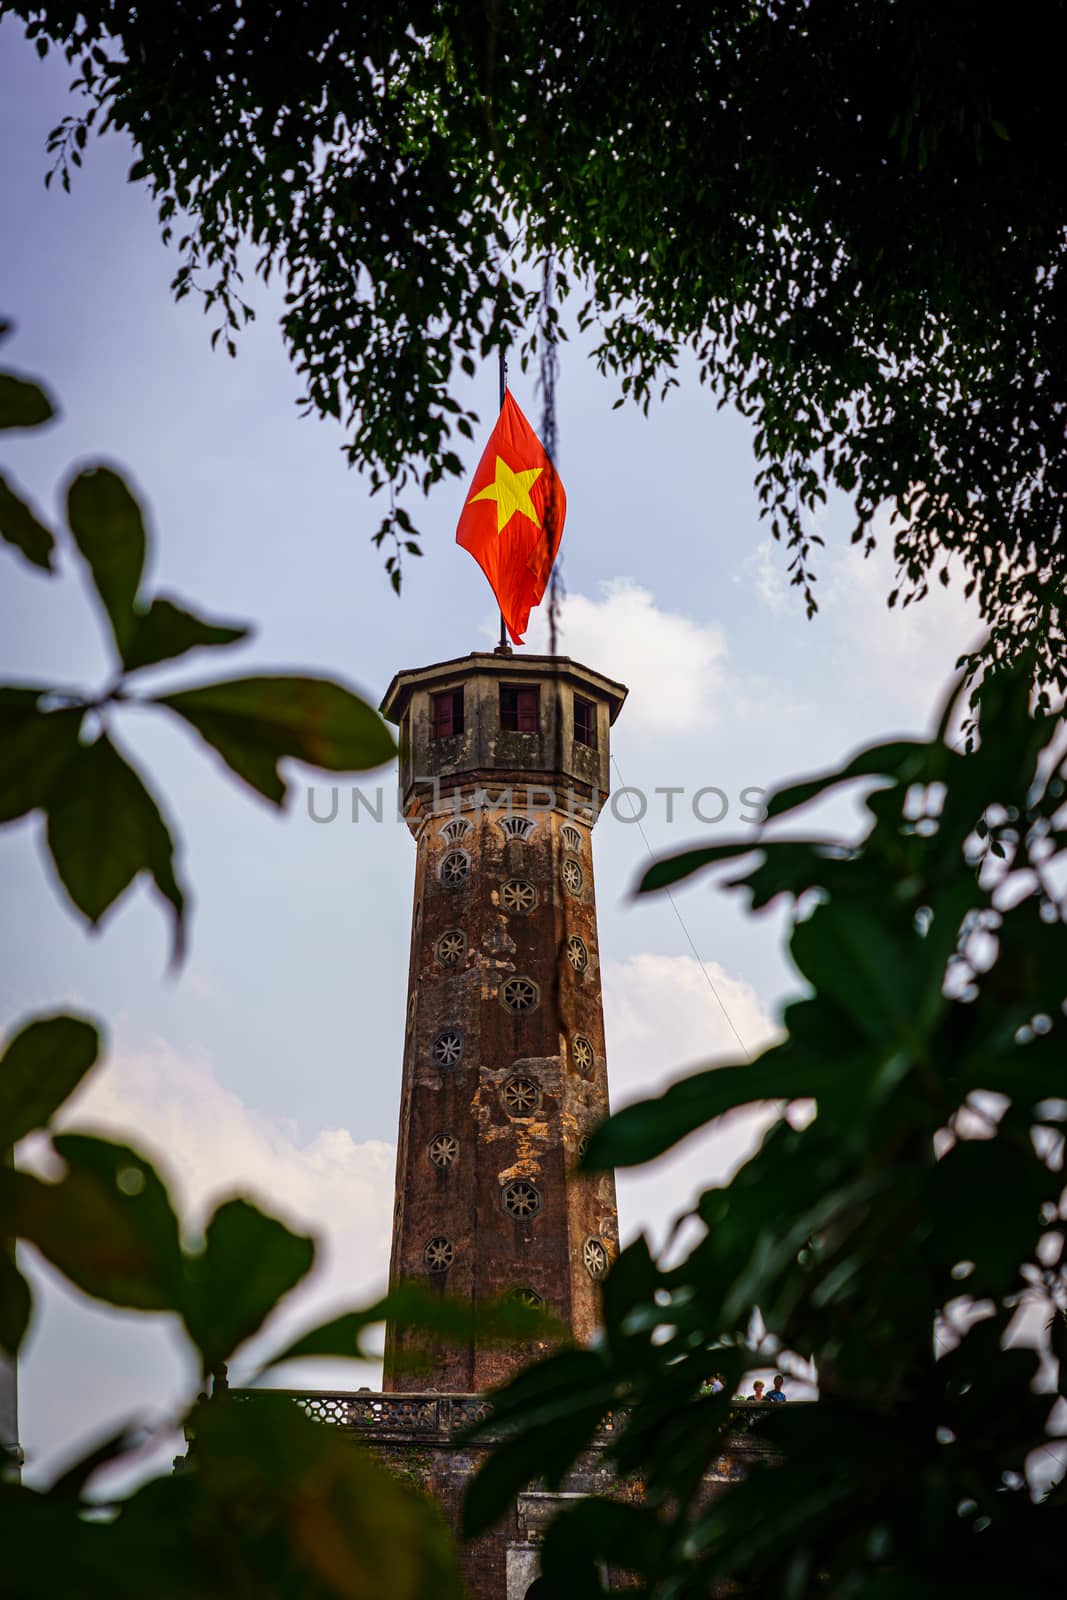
(87, 1367)
(662, 1021)
(899, 657)
(903, 652)
(767, 567)
(674, 666)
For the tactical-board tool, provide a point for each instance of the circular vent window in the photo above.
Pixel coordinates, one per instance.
(583, 1056)
(455, 869)
(439, 1254)
(524, 1296)
(521, 1096)
(577, 954)
(571, 874)
(520, 1199)
(519, 994)
(451, 947)
(447, 1048)
(442, 1150)
(517, 895)
(594, 1258)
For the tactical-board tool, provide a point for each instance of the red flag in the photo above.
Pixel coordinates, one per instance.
(512, 520)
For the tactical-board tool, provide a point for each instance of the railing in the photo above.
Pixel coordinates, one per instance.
(436, 1416)
(441, 1416)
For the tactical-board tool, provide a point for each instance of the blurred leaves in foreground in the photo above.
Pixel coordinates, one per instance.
(267, 1501)
(58, 754)
(901, 1224)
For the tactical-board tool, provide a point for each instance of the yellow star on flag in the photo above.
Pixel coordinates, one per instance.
(511, 491)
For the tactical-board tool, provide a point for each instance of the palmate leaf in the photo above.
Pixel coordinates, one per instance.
(42, 1065)
(38, 749)
(283, 1507)
(109, 530)
(20, 526)
(252, 723)
(104, 829)
(167, 630)
(107, 1225)
(250, 1261)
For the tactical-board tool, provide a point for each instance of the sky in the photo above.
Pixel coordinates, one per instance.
(271, 1064)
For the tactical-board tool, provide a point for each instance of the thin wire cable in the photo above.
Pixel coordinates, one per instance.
(681, 921)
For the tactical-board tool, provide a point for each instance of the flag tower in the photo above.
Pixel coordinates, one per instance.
(504, 769)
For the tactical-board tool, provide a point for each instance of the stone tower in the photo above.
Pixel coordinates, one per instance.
(504, 769)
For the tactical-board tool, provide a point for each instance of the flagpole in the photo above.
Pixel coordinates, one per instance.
(503, 648)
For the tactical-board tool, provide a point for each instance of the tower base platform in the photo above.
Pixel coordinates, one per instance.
(423, 1437)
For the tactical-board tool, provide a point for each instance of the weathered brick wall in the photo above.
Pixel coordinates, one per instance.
(419, 1437)
(499, 1089)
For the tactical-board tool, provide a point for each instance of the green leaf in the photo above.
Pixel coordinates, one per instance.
(38, 750)
(249, 1263)
(340, 1337)
(254, 722)
(672, 869)
(845, 950)
(984, 1204)
(107, 1225)
(23, 404)
(20, 526)
(558, 1404)
(418, 1309)
(903, 761)
(279, 1506)
(108, 529)
(15, 1304)
(167, 630)
(41, 1067)
(104, 829)
(646, 1129)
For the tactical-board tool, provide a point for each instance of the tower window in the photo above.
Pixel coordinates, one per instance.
(447, 714)
(455, 869)
(517, 895)
(521, 1097)
(525, 1296)
(519, 994)
(594, 1258)
(517, 827)
(439, 1254)
(521, 1199)
(451, 947)
(585, 722)
(583, 1055)
(442, 1150)
(447, 1048)
(519, 709)
(571, 873)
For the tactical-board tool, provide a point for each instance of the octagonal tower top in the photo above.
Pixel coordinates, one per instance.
(493, 718)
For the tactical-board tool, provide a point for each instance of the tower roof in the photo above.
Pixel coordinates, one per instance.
(512, 667)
